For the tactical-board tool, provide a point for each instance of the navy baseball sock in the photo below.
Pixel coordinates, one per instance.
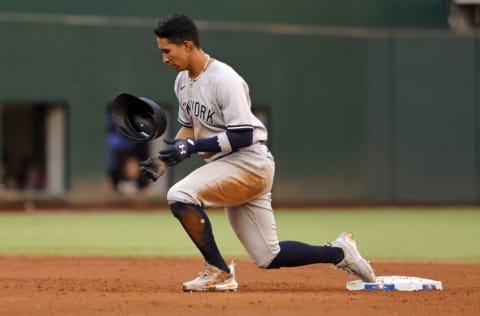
(294, 253)
(196, 223)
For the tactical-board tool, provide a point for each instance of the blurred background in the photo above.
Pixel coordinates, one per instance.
(367, 102)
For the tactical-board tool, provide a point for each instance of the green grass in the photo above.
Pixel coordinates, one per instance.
(383, 234)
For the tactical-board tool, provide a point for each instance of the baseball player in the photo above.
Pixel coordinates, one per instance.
(217, 124)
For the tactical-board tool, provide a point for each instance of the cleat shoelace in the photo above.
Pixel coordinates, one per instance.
(206, 273)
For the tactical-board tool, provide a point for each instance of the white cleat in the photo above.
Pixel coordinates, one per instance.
(353, 262)
(213, 279)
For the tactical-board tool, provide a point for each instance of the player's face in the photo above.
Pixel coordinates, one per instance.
(174, 55)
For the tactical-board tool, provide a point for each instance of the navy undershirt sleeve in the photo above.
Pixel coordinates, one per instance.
(240, 138)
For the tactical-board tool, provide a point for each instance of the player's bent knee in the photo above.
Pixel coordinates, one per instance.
(176, 194)
(262, 254)
(264, 262)
(263, 265)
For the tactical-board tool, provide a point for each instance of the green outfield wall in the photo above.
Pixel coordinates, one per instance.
(367, 13)
(377, 106)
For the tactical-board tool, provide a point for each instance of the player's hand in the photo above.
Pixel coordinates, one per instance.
(152, 168)
(177, 150)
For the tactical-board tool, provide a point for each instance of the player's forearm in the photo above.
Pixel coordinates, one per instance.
(184, 133)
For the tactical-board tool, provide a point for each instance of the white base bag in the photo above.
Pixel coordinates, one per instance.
(395, 282)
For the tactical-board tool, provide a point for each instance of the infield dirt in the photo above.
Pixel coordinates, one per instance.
(152, 286)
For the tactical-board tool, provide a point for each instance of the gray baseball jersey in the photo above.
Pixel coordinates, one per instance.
(239, 181)
(216, 100)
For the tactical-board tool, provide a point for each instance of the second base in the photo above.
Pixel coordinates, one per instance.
(395, 282)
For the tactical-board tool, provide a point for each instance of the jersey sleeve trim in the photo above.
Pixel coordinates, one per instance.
(184, 123)
(240, 127)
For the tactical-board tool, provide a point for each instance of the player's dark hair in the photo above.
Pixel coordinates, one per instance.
(178, 28)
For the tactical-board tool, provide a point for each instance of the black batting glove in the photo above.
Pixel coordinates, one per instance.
(177, 150)
(152, 168)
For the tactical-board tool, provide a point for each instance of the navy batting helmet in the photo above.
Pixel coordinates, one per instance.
(138, 118)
